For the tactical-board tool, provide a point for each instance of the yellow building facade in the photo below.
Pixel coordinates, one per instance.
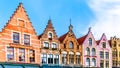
(115, 44)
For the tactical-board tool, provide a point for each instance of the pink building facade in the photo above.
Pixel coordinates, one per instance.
(104, 53)
(89, 50)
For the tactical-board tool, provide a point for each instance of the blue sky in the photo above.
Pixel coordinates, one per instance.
(83, 13)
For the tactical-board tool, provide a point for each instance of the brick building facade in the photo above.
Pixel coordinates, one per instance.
(50, 45)
(18, 39)
(70, 49)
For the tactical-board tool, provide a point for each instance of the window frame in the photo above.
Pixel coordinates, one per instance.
(14, 39)
(27, 44)
(13, 55)
(71, 45)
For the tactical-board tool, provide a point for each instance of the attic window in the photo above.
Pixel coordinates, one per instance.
(50, 35)
(21, 22)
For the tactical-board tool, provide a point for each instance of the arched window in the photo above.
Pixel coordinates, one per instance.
(115, 43)
(88, 51)
(50, 35)
(90, 41)
(71, 45)
(93, 52)
(93, 62)
(87, 62)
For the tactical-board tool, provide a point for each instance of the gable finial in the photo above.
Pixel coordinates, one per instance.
(70, 27)
(89, 29)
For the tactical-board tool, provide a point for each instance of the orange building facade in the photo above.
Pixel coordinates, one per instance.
(70, 49)
(18, 40)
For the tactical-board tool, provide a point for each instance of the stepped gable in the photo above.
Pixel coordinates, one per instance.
(49, 27)
(21, 15)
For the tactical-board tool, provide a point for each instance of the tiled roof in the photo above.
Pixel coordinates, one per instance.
(40, 36)
(61, 38)
(81, 39)
(109, 41)
(98, 41)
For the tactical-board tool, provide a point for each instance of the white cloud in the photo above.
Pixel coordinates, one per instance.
(107, 13)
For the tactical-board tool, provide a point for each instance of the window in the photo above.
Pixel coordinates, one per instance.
(64, 46)
(114, 63)
(56, 59)
(107, 64)
(44, 58)
(71, 45)
(46, 44)
(107, 55)
(104, 45)
(119, 53)
(54, 45)
(93, 62)
(101, 54)
(15, 37)
(101, 64)
(50, 35)
(87, 62)
(64, 58)
(50, 59)
(77, 59)
(26, 39)
(87, 51)
(77, 46)
(93, 52)
(10, 53)
(115, 43)
(22, 55)
(90, 41)
(114, 54)
(71, 59)
(32, 55)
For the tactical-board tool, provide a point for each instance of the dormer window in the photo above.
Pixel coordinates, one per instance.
(50, 35)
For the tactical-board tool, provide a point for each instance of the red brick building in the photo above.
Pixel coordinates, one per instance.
(18, 39)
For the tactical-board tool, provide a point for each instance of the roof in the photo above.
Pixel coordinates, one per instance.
(40, 36)
(81, 39)
(61, 38)
(98, 41)
(109, 41)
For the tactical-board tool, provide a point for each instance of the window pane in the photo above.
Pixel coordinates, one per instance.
(26, 39)
(101, 54)
(71, 45)
(64, 58)
(90, 41)
(32, 56)
(22, 55)
(93, 52)
(87, 62)
(10, 53)
(50, 35)
(107, 55)
(50, 59)
(44, 58)
(15, 37)
(56, 59)
(46, 44)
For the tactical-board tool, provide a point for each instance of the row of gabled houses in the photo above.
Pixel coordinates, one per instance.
(19, 43)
